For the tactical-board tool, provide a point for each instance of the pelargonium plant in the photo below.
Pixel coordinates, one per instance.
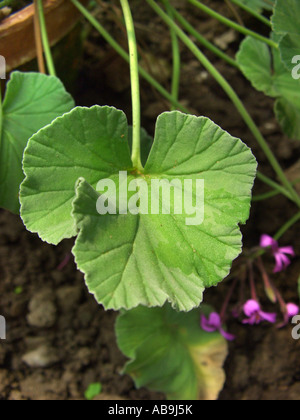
(157, 221)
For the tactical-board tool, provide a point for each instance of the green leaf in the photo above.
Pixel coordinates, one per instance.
(267, 74)
(259, 5)
(131, 259)
(169, 353)
(285, 22)
(93, 391)
(94, 146)
(32, 101)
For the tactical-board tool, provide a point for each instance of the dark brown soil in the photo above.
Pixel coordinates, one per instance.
(51, 319)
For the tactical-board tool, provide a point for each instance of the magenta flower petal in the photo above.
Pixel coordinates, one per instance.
(280, 254)
(269, 317)
(287, 250)
(251, 321)
(255, 315)
(266, 241)
(215, 320)
(251, 307)
(214, 323)
(292, 310)
(282, 262)
(206, 325)
(227, 336)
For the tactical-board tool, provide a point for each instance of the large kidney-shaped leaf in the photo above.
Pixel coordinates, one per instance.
(131, 259)
(267, 74)
(32, 101)
(285, 21)
(169, 353)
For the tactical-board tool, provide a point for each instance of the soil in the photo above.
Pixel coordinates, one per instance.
(58, 339)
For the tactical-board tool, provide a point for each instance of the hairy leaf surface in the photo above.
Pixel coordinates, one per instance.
(142, 258)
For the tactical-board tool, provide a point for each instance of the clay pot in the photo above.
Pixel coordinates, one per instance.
(17, 42)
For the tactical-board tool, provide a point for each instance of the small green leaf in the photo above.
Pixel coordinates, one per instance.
(269, 75)
(169, 353)
(93, 391)
(32, 101)
(285, 22)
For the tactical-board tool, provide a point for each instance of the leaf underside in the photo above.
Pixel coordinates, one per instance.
(145, 259)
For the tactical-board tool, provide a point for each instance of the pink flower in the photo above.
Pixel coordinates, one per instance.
(255, 315)
(292, 310)
(214, 323)
(280, 254)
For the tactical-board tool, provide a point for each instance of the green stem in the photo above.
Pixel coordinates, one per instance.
(152, 81)
(233, 97)
(232, 24)
(211, 47)
(110, 40)
(176, 58)
(135, 87)
(274, 185)
(271, 194)
(252, 12)
(290, 223)
(265, 196)
(45, 40)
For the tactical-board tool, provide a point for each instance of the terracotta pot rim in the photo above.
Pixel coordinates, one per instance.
(17, 39)
(26, 13)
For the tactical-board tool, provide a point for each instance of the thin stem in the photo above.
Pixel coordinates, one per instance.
(235, 12)
(45, 40)
(110, 40)
(269, 289)
(233, 97)
(176, 58)
(290, 223)
(232, 24)
(271, 194)
(227, 299)
(38, 40)
(135, 87)
(274, 185)
(252, 282)
(252, 12)
(202, 40)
